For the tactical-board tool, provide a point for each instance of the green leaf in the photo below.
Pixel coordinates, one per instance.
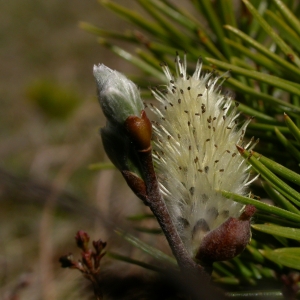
(242, 270)
(258, 115)
(278, 168)
(255, 295)
(174, 34)
(134, 18)
(292, 127)
(227, 10)
(289, 17)
(286, 232)
(243, 88)
(173, 13)
(277, 183)
(134, 261)
(262, 206)
(289, 257)
(261, 126)
(285, 31)
(149, 230)
(101, 166)
(255, 56)
(140, 217)
(288, 145)
(262, 217)
(259, 76)
(206, 41)
(147, 248)
(127, 36)
(221, 268)
(279, 199)
(227, 280)
(134, 60)
(271, 32)
(214, 22)
(262, 49)
(148, 59)
(256, 255)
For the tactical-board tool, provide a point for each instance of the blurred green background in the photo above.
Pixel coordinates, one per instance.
(49, 122)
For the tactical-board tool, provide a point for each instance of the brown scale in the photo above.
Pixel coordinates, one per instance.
(179, 101)
(212, 213)
(184, 222)
(225, 213)
(204, 198)
(192, 190)
(200, 228)
(206, 169)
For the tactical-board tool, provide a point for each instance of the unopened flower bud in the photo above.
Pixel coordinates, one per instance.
(82, 240)
(118, 96)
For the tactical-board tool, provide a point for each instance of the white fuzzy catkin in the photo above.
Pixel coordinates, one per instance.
(195, 153)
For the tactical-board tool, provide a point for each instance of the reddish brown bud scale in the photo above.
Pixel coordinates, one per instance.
(139, 130)
(228, 240)
(136, 184)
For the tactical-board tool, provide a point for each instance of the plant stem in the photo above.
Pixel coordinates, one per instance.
(159, 209)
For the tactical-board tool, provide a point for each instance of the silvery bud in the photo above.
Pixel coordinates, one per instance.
(118, 96)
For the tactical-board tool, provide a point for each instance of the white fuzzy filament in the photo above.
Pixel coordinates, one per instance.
(195, 152)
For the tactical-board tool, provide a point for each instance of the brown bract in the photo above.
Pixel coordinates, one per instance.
(139, 131)
(228, 240)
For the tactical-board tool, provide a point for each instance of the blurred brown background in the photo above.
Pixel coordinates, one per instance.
(49, 122)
